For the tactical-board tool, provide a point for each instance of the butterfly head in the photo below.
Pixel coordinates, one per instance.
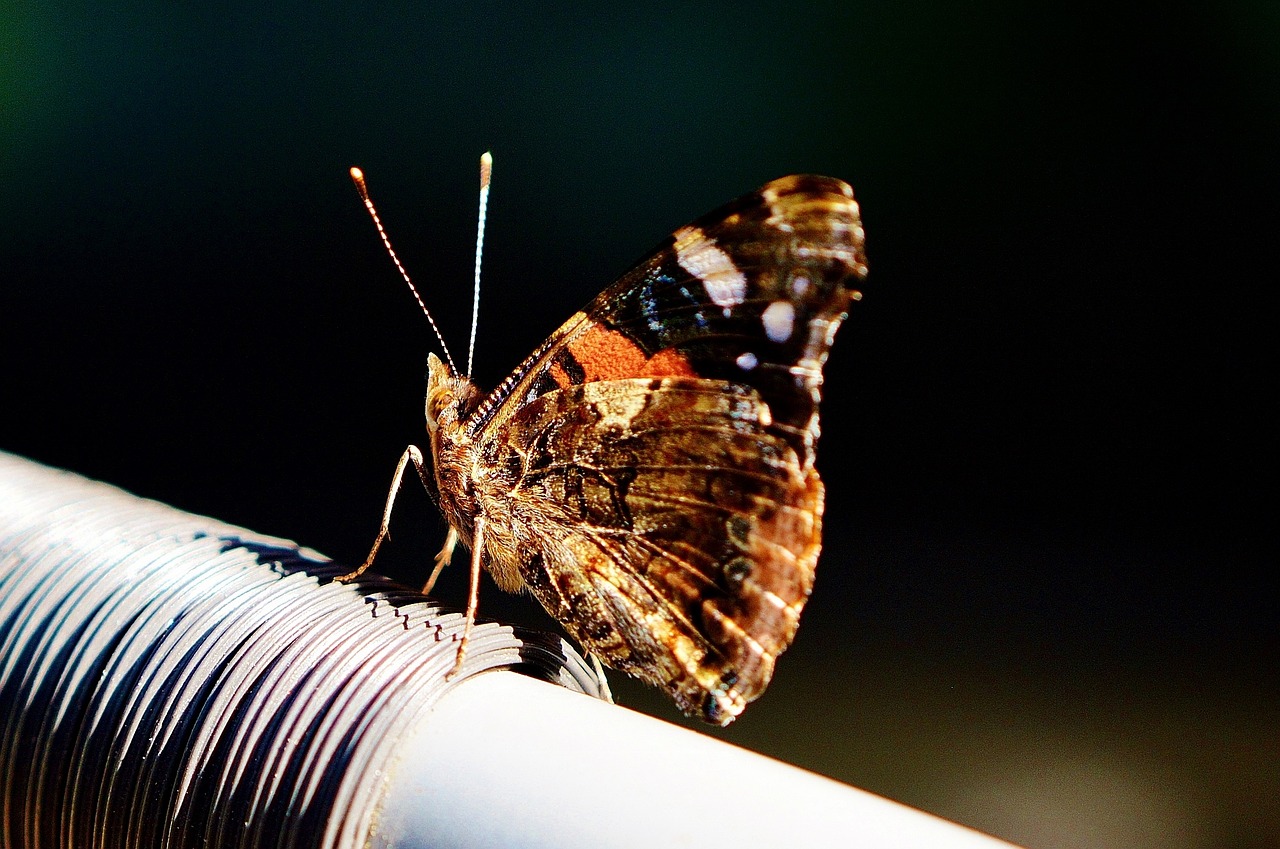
(449, 397)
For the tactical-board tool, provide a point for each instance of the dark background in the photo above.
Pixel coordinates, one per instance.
(1041, 608)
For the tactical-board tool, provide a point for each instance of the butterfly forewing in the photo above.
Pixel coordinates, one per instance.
(752, 293)
(648, 472)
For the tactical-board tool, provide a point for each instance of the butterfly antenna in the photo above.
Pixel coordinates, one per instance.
(486, 172)
(358, 177)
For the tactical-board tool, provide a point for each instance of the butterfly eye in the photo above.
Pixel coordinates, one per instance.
(450, 400)
(436, 401)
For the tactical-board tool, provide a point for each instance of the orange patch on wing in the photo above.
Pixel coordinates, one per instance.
(608, 355)
(668, 363)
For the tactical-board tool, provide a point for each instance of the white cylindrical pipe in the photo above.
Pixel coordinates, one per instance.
(508, 761)
(168, 680)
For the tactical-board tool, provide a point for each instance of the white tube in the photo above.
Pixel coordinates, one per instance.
(191, 683)
(512, 762)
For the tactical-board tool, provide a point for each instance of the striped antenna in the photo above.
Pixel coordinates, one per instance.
(358, 176)
(486, 173)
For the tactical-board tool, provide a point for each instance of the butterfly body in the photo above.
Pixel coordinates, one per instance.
(648, 473)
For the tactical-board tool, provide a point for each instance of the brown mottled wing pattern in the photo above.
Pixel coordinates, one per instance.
(682, 534)
(658, 449)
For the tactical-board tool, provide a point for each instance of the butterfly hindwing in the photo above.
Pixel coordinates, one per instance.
(676, 536)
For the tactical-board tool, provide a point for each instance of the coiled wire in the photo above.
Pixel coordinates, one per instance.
(167, 680)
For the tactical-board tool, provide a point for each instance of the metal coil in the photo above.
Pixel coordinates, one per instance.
(170, 680)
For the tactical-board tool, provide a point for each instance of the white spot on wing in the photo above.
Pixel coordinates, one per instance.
(747, 361)
(776, 600)
(701, 258)
(779, 320)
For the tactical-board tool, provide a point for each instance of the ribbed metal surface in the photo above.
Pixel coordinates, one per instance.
(169, 680)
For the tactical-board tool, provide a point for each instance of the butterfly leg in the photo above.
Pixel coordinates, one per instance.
(473, 598)
(443, 556)
(410, 453)
(604, 682)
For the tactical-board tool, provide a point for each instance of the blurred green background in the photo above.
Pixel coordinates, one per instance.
(1041, 610)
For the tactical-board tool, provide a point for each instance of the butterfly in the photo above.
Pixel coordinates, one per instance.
(647, 473)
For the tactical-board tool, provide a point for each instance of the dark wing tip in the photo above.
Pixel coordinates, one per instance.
(809, 184)
(820, 211)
